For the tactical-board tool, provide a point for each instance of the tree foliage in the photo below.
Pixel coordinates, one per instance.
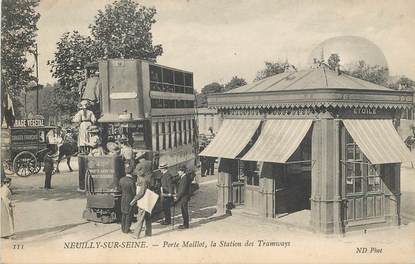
(18, 32)
(334, 61)
(73, 52)
(206, 90)
(372, 73)
(235, 82)
(123, 30)
(271, 68)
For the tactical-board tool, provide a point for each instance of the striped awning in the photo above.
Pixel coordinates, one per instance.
(232, 138)
(378, 140)
(278, 140)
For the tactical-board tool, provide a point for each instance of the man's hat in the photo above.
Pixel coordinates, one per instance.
(113, 147)
(163, 165)
(183, 168)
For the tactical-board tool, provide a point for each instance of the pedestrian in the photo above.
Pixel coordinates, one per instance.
(183, 195)
(85, 118)
(48, 168)
(125, 149)
(203, 162)
(128, 191)
(7, 218)
(211, 165)
(96, 150)
(166, 192)
(142, 215)
(144, 167)
(113, 149)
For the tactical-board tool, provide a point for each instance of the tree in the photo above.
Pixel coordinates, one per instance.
(402, 83)
(235, 82)
(123, 30)
(372, 73)
(73, 52)
(206, 90)
(18, 32)
(334, 61)
(271, 68)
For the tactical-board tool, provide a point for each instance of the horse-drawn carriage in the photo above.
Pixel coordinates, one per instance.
(24, 146)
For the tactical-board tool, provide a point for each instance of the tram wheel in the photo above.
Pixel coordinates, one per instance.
(25, 164)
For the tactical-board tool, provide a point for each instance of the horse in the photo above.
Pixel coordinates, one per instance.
(68, 149)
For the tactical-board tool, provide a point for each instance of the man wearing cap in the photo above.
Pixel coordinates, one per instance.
(128, 191)
(183, 195)
(166, 192)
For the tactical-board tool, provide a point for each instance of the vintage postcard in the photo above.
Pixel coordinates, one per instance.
(190, 131)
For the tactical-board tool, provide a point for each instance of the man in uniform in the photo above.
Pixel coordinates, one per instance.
(166, 192)
(183, 195)
(128, 191)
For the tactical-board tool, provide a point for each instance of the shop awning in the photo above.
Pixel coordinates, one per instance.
(278, 140)
(378, 140)
(232, 138)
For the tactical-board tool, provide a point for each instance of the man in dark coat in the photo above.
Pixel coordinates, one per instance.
(128, 189)
(183, 195)
(48, 168)
(166, 193)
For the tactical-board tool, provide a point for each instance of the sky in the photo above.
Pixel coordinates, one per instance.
(217, 40)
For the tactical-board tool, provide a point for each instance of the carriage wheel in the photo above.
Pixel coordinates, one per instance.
(24, 164)
(37, 168)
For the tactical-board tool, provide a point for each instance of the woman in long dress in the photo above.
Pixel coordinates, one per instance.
(86, 118)
(7, 219)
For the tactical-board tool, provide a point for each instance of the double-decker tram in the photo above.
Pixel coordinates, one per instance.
(150, 105)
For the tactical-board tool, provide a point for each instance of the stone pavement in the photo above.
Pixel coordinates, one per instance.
(50, 226)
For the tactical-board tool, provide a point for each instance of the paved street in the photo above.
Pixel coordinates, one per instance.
(52, 220)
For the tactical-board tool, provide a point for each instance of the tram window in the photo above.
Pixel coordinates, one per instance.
(157, 103)
(189, 122)
(163, 134)
(157, 137)
(171, 104)
(169, 133)
(178, 78)
(155, 73)
(195, 133)
(156, 86)
(180, 132)
(179, 104)
(189, 90)
(188, 79)
(179, 89)
(185, 131)
(168, 76)
(174, 134)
